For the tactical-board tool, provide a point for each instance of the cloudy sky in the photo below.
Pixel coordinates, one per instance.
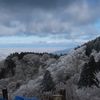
(47, 25)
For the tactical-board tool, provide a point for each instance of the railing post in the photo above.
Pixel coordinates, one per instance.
(5, 93)
(63, 93)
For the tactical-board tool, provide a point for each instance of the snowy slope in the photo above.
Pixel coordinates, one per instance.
(28, 69)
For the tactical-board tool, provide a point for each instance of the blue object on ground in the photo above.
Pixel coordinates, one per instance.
(22, 98)
(2, 99)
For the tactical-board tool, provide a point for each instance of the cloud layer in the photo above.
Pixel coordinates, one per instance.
(59, 18)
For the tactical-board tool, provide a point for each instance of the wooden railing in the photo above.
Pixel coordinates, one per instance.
(61, 92)
(5, 93)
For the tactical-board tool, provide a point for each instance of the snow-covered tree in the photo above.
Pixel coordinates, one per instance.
(47, 82)
(87, 77)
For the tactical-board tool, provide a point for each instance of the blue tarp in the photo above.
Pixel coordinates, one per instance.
(2, 99)
(22, 98)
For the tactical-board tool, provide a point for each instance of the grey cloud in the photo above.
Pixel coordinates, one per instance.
(35, 3)
(61, 18)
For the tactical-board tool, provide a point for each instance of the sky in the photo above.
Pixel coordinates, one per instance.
(47, 25)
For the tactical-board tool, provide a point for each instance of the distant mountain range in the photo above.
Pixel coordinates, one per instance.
(62, 51)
